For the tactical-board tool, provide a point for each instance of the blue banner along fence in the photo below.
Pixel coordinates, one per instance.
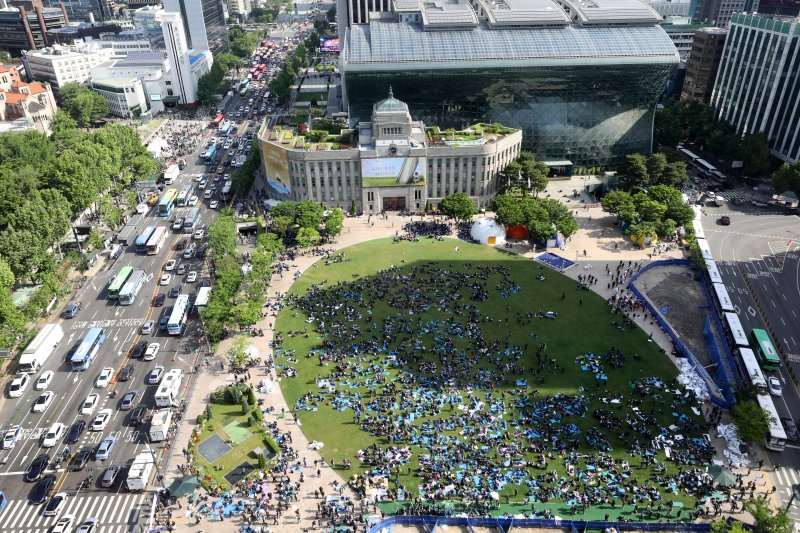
(716, 395)
(505, 524)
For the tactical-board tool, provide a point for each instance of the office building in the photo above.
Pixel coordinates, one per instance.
(26, 25)
(389, 163)
(757, 91)
(86, 10)
(702, 65)
(581, 79)
(204, 23)
(148, 17)
(25, 105)
(151, 69)
(125, 96)
(186, 65)
(63, 64)
(679, 8)
(240, 9)
(718, 12)
(84, 31)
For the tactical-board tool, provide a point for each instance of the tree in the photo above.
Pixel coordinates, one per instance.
(534, 176)
(723, 526)
(222, 236)
(308, 214)
(767, 519)
(307, 237)
(656, 165)
(751, 421)
(787, 178)
(634, 172)
(674, 174)
(508, 210)
(334, 222)
(237, 353)
(6, 274)
(619, 203)
(754, 153)
(84, 105)
(458, 206)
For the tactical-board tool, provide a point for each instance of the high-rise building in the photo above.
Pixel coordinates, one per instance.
(702, 64)
(240, 9)
(718, 12)
(204, 23)
(186, 65)
(580, 79)
(64, 64)
(756, 91)
(86, 10)
(26, 25)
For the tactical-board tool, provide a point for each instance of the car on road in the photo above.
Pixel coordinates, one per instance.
(756, 203)
(725, 220)
(110, 476)
(165, 279)
(90, 404)
(139, 349)
(105, 448)
(201, 251)
(182, 269)
(64, 524)
(43, 402)
(53, 435)
(192, 201)
(72, 310)
(155, 375)
(181, 244)
(178, 224)
(202, 185)
(18, 385)
(170, 264)
(208, 194)
(737, 201)
(774, 386)
(75, 431)
(126, 373)
(151, 352)
(42, 489)
(55, 505)
(127, 401)
(147, 327)
(105, 377)
(191, 277)
(138, 416)
(790, 428)
(44, 380)
(175, 291)
(214, 204)
(88, 526)
(11, 436)
(189, 252)
(199, 234)
(80, 459)
(101, 420)
(159, 301)
(37, 467)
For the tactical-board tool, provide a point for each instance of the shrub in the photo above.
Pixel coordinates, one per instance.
(220, 395)
(257, 413)
(262, 461)
(200, 420)
(245, 406)
(251, 420)
(251, 395)
(209, 413)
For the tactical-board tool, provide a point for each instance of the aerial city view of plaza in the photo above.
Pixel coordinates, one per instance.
(386, 266)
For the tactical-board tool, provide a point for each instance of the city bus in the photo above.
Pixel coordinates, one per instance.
(87, 349)
(128, 294)
(736, 331)
(713, 271)
(692, 157)
(192, 219)
(764, 349)
(157, 240)
(118, 282)
(184, 196)
(705, 167)
(217, 120)
(244, 87)
(167, 202)
(180, 314)
(776, 438)
(723, 298)
(141, 240)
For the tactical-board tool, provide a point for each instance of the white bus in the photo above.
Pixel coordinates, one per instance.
(776, 439)
(713, 271)
(168, 394)
(724, 300)
(736, 330)
(191, 219)
(130, 290)
(176, 324)
(705, 249)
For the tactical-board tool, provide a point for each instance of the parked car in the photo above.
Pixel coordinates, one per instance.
(191, 277)
(182, 269)
(725, 220)
(790, 428)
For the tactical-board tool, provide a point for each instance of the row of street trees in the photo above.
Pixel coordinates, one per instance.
(213, 82)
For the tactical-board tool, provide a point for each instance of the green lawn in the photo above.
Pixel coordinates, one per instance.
(225, 415)
(584, 325)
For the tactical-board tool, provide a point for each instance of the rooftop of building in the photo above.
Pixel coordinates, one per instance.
(116, 83)
(66, 51)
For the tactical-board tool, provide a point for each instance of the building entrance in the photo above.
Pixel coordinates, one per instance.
(394, 203)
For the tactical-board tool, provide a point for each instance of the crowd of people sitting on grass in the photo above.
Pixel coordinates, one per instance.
(456, 397)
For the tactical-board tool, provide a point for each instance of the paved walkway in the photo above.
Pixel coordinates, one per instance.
(598, 236)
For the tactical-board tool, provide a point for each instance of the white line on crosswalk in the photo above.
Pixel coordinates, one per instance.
(112, 511)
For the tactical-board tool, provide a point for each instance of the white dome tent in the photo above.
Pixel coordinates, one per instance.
(488, 231)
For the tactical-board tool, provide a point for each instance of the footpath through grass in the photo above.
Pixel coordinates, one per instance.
(448, 365)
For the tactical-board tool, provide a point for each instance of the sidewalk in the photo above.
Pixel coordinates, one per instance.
(598, 235)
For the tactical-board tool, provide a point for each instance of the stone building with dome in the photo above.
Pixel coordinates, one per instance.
(392, 163)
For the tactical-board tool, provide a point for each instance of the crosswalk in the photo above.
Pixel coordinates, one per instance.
(115, 513)
(784, 479)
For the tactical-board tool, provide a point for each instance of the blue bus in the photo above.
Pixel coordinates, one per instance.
(141, 240)
(87, 349)
(167, 202)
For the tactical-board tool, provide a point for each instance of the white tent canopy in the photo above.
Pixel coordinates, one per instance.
(488, 231)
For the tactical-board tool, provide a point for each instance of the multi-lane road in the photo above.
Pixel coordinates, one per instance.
(758, 256)
(116, 509)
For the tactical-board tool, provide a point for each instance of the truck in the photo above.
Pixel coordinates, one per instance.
(153, 198)
(171, 174)
(140, 471)
(169, 391)
(159, 425)
(40, 348)
(129, 233)
(211, 154)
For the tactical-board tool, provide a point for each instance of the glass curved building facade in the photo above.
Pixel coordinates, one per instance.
(580, 82)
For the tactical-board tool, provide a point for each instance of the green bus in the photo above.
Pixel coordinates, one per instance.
(118, 282)
(765, 351)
